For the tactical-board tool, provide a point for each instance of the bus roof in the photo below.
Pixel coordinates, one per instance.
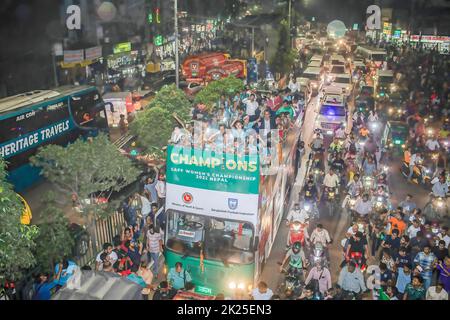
(385, 73)
(33, 97)
(314, 70)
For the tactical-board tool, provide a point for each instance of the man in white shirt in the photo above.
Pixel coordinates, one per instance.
(432, 144)
(331, 179)
(320, 235)
(146, 206)
(106, 255)
(262, 292)
(437, 293)
(340, 132)
(161, 191)
(363, 206)
(293, 85)
(251, 105)
(297, 215)
(415, 159)
(413, 229)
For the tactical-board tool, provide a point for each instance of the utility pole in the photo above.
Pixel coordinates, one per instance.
(253, 42)
(177, 59)
(55, 71)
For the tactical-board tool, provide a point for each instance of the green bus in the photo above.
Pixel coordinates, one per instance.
(223, 213)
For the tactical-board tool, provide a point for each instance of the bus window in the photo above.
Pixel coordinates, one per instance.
(86, 112)
(221, 240)
(10, 129)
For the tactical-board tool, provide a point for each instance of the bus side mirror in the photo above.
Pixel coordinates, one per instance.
(256, 245)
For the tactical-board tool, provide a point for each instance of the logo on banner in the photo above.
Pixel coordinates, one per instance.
(187, 198)
(233, 204)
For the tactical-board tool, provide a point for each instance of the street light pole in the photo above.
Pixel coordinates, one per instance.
(253, 42)
(177, 59)
(55, 70)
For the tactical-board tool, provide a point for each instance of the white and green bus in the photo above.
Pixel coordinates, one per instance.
(223, 213)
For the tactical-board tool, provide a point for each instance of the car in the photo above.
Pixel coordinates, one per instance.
(332, 114)
(384, 83)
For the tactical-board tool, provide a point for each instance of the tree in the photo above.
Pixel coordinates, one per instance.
(153, 129)
(87, 170)
(210, 95)
(55, 240)
(283, 60)
(16, 240)
(173, 100)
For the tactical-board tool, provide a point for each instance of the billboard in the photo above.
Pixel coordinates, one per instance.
(219, 185)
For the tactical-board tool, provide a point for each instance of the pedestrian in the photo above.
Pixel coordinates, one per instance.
(444, 273)
(64, 271)
(154, 247)
(134, 252)
(161, 191)
(147, 276)
(123, 125)
(261, 292)
(351, 279)
(437, 292)
(111, 256)
(164, 292)
(43, 287)
(415, 290)
(178, 277)
(425, 262)
(404, 275)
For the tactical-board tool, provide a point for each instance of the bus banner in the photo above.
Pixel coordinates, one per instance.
(207, 184)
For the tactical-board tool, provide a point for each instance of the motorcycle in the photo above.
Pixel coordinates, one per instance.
(297, 233)
(317, 176)
(380, 203)
(421, 174)
(369, 184)
(292, 285)
(311, 208)
(318, 255)
(357, 257)
(331, 200)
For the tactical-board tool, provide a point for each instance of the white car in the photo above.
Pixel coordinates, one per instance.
(332, 113)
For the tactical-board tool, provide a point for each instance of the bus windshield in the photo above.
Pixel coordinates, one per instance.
(222, 240)
(88, 111)
(327, 110)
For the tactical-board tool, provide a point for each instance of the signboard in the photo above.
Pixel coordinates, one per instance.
(387, 28)
(223, 186)
(397, 34)
(158, 40)
(93, 53)
(73, 56)
(430, 38)
(122, 47)
(355, 26)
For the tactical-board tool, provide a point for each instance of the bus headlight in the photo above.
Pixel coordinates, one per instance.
(232, 285)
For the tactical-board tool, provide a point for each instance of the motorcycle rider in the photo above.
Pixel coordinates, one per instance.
(440, 186)
(317, 143)
(414, 160)
(358, 246)
(331, 180)
(408, 205)
(338, 164)
(321, 235)
(363, 206)
(340, 132)
(300, 215)
(354, 188)
(311, 196)
(297, 261)
(369, 167)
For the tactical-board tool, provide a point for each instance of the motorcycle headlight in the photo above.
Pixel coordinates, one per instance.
(385, 168)
(241, 286)
(440, 203)
(307, 207)
(232, 285)
(352, 202)
(391, 110)
(296, 227)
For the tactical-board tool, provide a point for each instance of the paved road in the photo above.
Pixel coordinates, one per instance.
(338, 224)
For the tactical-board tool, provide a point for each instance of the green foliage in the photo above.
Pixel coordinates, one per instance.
(283, 60)
(86, 167)
(210, 95)
(16, 240)
(54, 240)
(153, 128)
(171, 99)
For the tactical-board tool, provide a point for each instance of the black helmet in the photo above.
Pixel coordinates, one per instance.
(296, 247)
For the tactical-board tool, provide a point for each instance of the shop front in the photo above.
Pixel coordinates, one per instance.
(124, 63)
(439, 43)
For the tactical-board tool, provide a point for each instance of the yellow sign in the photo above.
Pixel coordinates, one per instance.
(81, 64)
(122, 47)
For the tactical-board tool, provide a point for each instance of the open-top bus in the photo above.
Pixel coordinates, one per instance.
(375, 55)
(223, 213)
(38, 118)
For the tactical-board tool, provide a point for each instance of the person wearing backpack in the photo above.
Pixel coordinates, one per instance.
(319, 278)
(178, 277)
